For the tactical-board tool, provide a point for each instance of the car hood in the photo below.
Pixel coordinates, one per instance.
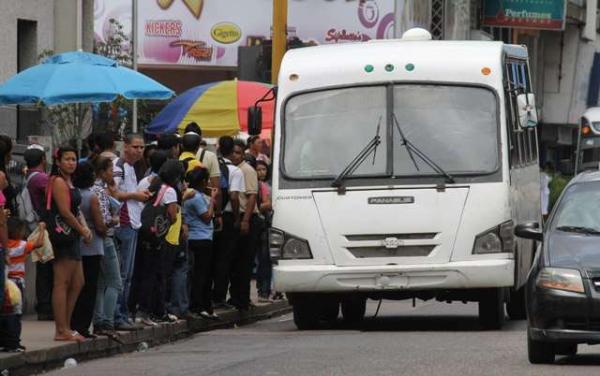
(571, 250)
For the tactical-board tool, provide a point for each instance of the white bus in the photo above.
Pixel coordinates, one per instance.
(400, 168)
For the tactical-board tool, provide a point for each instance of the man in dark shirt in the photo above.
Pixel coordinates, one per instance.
(37, 180)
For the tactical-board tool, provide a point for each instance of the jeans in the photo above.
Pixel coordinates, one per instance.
(2, 271)
(264, 272)
(127, 240)
(225, 244)
(243, 263)
(44, 280)
(81, 319)
(202, 251)
(110, 287)
(179, 302)
(10, 331)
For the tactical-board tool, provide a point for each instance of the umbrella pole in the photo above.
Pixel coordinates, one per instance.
(78, 121)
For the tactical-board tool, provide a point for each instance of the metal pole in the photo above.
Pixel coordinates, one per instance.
(280, 10)
(134, 34)
(396, 20)
(578, 148)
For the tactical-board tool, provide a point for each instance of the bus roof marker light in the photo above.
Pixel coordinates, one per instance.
(369, 68)
(409, 67)
(486, 71)
(294, 77)
(389, 68)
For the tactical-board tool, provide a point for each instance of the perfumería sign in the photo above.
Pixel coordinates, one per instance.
(526, 14)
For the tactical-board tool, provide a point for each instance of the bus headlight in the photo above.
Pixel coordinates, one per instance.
(497, 240)
(560, 279)
(283, 246)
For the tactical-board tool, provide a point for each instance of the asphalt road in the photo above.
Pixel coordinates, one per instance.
(430, 339)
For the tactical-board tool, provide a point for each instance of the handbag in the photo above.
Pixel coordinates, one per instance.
(60, 233)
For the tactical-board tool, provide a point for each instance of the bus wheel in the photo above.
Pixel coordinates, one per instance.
(491, 309)
(515, 307)
(306, 315)
(353, 310)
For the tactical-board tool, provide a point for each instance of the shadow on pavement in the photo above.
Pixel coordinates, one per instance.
(579, 360)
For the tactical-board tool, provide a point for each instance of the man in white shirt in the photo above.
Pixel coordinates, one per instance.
(227, 241)
(125, 190)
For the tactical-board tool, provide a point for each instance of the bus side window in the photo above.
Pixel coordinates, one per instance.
(523, 141)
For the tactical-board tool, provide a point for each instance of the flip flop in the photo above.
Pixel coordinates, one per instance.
(74, 336)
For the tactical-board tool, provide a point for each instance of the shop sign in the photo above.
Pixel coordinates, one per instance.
(525, 14)
(209, 32)
(226, 32)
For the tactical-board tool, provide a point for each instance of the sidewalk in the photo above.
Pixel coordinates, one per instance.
(43, 353)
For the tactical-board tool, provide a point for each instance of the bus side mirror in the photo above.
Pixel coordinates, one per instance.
(527, 111)
(254, 120)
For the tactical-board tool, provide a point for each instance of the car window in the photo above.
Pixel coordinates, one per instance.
(579, 207)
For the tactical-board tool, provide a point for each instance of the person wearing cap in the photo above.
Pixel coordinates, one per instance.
(190, 143)
(207, 158)
(37, 180)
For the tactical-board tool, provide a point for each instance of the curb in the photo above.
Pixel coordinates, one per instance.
(38, 361)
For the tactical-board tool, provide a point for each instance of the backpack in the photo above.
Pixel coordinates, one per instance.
(25, 207)
(155, 220)
(186, 163)
(224, 182)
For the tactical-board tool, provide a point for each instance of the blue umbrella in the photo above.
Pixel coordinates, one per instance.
(79, 77)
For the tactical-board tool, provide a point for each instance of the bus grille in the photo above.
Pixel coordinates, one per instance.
(402, 251)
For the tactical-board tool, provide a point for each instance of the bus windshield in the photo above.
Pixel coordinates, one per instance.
(454, 126)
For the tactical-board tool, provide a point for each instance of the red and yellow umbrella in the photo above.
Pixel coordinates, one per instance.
(220, 108)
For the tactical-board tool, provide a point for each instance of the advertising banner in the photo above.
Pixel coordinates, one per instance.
(209, 32)
(526, 14)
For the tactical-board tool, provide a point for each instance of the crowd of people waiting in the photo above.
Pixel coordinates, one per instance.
(163, 231)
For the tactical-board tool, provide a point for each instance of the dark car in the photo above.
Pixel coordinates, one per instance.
(563, 288)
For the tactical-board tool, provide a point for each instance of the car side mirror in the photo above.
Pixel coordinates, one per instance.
(254, 121)
(530, 230)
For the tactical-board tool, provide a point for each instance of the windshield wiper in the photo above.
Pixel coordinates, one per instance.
(579, 229)
(411, 148)
(359, 159)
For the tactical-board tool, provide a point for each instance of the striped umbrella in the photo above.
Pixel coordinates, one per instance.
(220, 108)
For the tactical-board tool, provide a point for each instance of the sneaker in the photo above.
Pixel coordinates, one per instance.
(127, 327)
(17, 349)
(205, 315)
(189, 315)
(223, 305)
(278, 296)
(265, 299)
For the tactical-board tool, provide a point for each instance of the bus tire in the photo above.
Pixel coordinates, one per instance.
(353, 310)
(516, 307)
(306, 315)
(491, 309)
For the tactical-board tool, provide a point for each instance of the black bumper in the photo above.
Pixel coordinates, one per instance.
(565, 335)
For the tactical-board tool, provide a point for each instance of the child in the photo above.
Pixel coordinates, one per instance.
(10, 318)
(18, 249)
(198, 212)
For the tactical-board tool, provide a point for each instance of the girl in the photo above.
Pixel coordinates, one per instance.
(65, 230)
(92, 252)
(158, 263)
(198, 214)
(264, 270)
(109, 280)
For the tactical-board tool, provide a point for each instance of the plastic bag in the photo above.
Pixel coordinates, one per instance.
(44, 253)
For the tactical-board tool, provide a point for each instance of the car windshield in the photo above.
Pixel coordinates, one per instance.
(579, 209)
(456, 127)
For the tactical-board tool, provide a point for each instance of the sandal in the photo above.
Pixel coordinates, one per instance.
(73, 336)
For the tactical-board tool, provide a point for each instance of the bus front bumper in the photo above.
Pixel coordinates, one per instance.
(452, 275)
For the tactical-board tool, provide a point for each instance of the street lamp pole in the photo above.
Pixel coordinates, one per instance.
(134, 35)
(280, 10)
